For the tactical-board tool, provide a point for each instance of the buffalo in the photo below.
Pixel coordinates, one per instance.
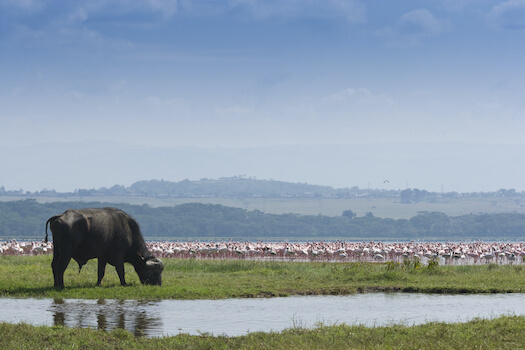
(108, 234)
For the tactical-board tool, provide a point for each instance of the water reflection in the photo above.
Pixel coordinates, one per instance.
(240, 316)
(104, 314)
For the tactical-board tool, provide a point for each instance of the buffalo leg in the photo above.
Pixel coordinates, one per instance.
(120, 271)
(59, 266)
(101, 270)
(54, 266)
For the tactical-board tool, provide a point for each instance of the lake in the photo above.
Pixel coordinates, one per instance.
(234, 317)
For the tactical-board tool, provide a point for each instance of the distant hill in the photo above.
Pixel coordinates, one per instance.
(243, 187)
(226, 187)
(236, 187)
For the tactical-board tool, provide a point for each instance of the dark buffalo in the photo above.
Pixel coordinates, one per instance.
(108, 234)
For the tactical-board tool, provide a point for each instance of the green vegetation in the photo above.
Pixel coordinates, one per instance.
(31, 276)
(502, 333)
(25, 219)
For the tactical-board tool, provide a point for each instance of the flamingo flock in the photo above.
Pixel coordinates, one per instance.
(446, 252)
(13, 247)
(464, 253)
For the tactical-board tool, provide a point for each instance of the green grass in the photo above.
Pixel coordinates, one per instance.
(506, 332)
(31, 276)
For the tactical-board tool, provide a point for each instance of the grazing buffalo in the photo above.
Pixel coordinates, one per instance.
(108, 234)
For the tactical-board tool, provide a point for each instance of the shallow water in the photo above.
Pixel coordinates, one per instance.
(240, 316)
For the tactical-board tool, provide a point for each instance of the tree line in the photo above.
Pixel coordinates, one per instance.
(26, 219)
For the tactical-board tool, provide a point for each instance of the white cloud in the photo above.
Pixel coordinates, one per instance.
(117, 86)
(233, 110)
(355, 101)
(350, 94)
(25, 5)
(412, 27)
(166, 107)
(359, 96)
(77, 15)
(77, 23)
(69, 13)
(345, 109)
(167, 7)
(509, 15)
(352, 10)
(421, 22)
(459, 5)
(118, 10)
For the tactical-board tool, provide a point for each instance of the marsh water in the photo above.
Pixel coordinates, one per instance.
(233, 317)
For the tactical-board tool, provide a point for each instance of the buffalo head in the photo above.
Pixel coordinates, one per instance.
(150, 271)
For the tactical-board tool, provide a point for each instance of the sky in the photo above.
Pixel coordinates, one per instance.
(426, 94)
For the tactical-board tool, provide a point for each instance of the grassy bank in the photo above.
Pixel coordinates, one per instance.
(31, 276)
(502, 333)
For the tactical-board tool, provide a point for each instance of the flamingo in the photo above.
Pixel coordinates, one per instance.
(378, 256)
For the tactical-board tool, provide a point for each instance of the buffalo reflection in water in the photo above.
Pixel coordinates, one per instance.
(105, 315)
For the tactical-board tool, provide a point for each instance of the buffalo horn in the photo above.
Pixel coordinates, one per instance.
(154, 262)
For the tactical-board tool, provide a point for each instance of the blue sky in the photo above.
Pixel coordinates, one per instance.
(158, 76)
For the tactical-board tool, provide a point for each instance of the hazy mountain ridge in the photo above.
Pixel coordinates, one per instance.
(237, 187)
(244, 187)
(435, 167)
